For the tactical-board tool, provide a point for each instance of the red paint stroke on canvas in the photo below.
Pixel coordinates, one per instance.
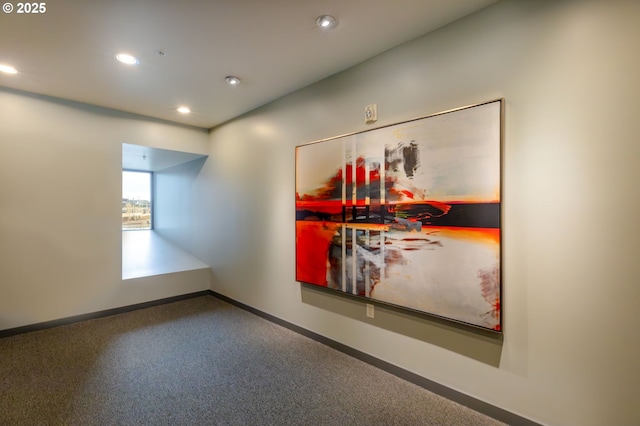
(312, 244)
(322, 206)
(361, 173)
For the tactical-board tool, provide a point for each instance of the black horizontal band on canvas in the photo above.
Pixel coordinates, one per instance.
(464, 215)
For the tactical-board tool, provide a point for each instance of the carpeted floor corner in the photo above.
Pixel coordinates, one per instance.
(202, 361)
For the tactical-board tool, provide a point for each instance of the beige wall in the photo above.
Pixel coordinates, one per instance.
(568, 72)
(60, 218)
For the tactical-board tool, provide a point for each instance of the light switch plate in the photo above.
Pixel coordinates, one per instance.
(371, 113)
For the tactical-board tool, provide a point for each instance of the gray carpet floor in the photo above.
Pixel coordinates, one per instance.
(202, 361)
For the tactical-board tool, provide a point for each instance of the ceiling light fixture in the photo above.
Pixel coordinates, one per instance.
(184, 110)
(233, 81)
(326, 22)
(127, 59)
(8, 69)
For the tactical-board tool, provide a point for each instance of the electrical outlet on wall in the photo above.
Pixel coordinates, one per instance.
(370, 310)
(371, 113)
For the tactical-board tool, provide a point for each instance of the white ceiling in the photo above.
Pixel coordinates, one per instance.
(146, 158)
(273, 46)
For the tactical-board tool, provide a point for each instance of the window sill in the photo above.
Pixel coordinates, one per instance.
(145, 253)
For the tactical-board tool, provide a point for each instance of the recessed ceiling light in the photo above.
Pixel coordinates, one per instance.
(127, 59)
(326, 22)
(234, 81)
(8, 69)
(184, 110)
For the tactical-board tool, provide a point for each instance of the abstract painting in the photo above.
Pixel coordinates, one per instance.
(407, 214)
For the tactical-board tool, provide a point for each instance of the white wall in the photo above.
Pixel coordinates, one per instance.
(568, 71)
(176, 200)
(60, 219)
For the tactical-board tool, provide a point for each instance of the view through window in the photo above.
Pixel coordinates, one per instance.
(136, 200)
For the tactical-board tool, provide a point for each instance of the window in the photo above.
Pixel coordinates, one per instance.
(136, 200)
